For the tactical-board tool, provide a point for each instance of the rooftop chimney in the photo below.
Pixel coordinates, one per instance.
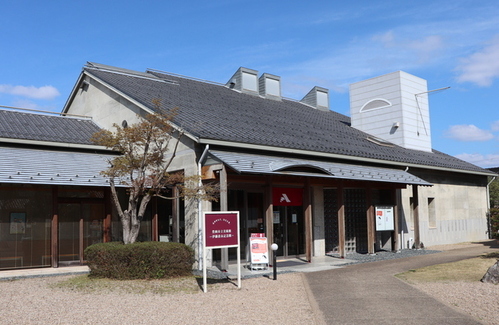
(318, 97)
(244, 80)
(270, 86)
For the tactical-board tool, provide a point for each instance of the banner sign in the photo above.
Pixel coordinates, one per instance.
(384, 218)
(221, 229)
(287, 196)
(259, 250)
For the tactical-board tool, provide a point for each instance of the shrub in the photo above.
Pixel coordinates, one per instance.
(148, 260)
(494, 222)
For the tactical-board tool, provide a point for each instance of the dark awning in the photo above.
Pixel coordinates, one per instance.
(273, 165)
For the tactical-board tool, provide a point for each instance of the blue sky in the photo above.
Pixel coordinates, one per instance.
(307, 43)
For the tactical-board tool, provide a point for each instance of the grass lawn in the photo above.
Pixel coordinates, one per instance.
(466, 270)
(87, 284)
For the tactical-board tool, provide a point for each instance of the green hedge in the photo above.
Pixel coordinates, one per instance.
(147, 260)
(494, 222)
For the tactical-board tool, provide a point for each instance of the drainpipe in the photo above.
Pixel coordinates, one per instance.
(488, 192)
(488, 206)
(200, 210)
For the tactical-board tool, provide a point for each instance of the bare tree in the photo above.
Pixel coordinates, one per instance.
(147, 150)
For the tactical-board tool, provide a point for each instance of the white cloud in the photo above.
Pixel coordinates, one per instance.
(485, 161)
(481, 67)
(44, 92)
(468, 133)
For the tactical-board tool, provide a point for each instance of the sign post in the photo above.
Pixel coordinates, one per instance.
(220, 230)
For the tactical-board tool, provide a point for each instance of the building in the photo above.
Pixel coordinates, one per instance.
(314, 181)
(53, 201)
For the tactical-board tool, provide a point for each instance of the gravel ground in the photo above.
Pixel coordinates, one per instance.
(260, 300)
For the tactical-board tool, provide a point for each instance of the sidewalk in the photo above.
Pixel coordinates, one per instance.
(370, 294)
(285, 266)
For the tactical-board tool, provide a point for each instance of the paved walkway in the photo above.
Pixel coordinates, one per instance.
(370, 294)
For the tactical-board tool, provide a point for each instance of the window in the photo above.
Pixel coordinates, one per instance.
(432, 215)
(375, 104)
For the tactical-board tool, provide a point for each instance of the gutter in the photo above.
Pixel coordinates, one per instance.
(200, 211)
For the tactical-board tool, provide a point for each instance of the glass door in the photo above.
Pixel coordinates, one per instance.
(289, 232)
(80, 225)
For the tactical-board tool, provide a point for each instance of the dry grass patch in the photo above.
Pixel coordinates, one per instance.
(470, 270)
(90, 285)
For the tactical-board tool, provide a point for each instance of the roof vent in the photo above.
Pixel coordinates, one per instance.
(270, 86)
(244, 80)
(318, 97)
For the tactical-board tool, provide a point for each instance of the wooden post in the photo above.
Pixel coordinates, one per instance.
(269, 213)
(155, 220)
(371, 231)
(341, 220)
(106, 225)
(54, 242)
(308, 221)
(396, 225)
(81, 243)
(415, 200)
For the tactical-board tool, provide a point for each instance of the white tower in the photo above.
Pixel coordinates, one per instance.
(393, 107)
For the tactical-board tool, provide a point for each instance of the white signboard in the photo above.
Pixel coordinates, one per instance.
(258, 251)
(384, 218)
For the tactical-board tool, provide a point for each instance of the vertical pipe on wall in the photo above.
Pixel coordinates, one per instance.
(175, 215)
(224, 206)
(200, 210)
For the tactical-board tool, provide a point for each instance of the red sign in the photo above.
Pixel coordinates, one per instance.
(287, 196)
(221, 229)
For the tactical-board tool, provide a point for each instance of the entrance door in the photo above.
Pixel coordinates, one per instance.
(80, 225)
(289, 232)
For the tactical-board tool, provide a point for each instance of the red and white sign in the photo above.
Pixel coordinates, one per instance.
(221, 229)
(287, 196)
(259, 250)
(384, 218)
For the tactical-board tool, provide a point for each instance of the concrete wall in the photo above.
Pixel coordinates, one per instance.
(460, 212)
(104, 106)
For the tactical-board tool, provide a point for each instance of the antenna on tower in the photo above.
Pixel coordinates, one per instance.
(419, 108)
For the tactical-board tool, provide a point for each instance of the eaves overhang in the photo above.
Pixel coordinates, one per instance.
(51, 167)
(274, 165)
(318, 154)
(55, 144)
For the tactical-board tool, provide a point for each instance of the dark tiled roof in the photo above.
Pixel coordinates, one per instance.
(213, 111)
(38, 127)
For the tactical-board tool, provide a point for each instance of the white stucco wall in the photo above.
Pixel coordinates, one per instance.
(460, 214)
